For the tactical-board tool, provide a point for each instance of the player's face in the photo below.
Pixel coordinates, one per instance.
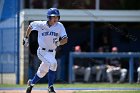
(53, 20)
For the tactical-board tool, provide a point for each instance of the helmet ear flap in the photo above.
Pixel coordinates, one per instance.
(58, 17)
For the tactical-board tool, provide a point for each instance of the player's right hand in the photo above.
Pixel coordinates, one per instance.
(57, 43)
(25, 42)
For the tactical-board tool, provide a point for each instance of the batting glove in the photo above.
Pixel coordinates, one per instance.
(25, 42)
(57, 43)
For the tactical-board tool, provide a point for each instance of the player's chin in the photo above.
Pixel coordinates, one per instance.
(55, 21)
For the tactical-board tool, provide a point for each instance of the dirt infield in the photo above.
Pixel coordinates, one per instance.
(71, 90)
(35, 91)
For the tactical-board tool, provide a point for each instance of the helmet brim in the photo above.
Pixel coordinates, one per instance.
(53, 15)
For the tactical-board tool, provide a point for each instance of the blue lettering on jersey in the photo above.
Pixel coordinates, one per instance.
(49, 33)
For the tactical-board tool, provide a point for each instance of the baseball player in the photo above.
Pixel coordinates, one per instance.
(51, 34)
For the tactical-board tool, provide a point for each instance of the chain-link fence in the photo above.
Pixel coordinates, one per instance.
(9, 40)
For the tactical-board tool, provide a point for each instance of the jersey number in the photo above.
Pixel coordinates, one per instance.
(54, 40)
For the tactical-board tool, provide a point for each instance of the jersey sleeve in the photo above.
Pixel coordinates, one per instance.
(34, 25)
(63, 33)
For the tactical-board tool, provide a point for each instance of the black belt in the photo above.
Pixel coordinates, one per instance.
(48, 50)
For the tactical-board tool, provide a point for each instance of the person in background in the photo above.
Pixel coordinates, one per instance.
(114, 68)
(138, 79)
(79, 67)
(98, 66)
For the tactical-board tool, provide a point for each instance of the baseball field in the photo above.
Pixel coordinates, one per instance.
(75, 88)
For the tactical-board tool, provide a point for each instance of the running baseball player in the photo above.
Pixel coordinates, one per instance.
(51, 34)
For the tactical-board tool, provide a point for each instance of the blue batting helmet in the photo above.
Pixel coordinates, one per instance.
(53, 12)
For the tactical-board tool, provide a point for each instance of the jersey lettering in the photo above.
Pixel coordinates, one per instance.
(49, 33)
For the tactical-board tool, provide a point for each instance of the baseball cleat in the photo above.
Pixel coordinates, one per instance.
(29, 89)
(51, 90)
(30, 86)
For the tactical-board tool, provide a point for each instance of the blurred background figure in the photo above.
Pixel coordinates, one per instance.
(80, 68)
(114, 68)
(138, 79)
(77, 48)
(98, 67)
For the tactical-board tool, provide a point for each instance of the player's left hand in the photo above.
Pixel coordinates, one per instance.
(57, 43)
(25, 42)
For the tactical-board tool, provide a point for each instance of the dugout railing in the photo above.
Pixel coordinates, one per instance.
(129, 55)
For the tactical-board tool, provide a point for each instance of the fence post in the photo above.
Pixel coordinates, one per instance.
(70, 67)
(131, 70)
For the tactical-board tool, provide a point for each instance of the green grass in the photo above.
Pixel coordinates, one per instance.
(107, 92)
(94, 85)
(98, 85)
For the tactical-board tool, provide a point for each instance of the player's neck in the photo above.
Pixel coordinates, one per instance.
(50, 23)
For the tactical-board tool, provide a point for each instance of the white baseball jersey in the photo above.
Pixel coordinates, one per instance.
(48, 35)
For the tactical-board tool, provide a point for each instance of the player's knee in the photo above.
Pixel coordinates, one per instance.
(124, 71)
(138, 70)
(88, 70)
(41, 73)
(108, 70)
(53, 66)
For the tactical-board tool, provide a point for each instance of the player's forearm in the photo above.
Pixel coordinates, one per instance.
(63, 41)
(28, 32)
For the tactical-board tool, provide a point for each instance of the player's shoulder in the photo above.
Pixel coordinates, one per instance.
(60, 24)
(38, 23)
